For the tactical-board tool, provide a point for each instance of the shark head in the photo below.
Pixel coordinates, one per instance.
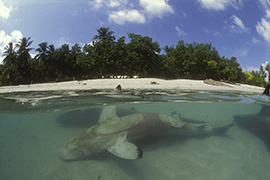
(73, 151)
(81, 147)
(68, 154)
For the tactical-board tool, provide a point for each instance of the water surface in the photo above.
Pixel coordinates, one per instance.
(34, 125)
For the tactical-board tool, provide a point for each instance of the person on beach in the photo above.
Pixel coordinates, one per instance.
(266, 90)
(267, 79)
(118, 88)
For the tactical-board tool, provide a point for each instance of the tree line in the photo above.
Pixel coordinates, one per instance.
(107, 56)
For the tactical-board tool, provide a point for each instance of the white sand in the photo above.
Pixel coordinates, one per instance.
(136, 84)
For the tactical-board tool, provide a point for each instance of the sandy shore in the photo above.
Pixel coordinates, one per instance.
(137, 84)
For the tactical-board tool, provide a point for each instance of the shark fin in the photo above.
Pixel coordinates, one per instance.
(124, 149)
(173, 113)
(107, 113)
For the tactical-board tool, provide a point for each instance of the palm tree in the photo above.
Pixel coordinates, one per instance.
(104, 34)
(51, 49)
(24, 56)
(10, 54)
(42, 51)
(42, 56)
(23, 46)
(50, 61)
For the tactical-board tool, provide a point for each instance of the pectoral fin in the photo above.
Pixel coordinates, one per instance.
(124, 149)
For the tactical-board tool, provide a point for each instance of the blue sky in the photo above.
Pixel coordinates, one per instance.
(239, 28)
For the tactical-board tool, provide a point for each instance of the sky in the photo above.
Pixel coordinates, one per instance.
(239, 28)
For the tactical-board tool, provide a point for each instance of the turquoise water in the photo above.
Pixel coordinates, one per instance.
(35, 125)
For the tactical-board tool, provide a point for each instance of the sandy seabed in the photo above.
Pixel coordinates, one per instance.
(29, 145)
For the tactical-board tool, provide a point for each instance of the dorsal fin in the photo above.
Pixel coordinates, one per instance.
(175, 115)
(107, 113)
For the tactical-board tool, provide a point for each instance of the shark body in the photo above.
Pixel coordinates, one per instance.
(116, 134)
(258, 124)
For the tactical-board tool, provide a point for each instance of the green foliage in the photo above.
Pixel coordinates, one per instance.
(10, 54)
(10, 75)
(254, 78)
(107, 56)
(104, 34)
(143, 56)
(200, 61)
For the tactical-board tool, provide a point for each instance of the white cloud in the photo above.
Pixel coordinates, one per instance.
(265, 64)
(116, 3)
(63, 40)
(97, 4)
(217, 34)
(179, 31)
(213, 4)
(263, 27)
(265, 3)
(255, 41)
(267, 13)
(183, 13)
(4, 11)
(213, 32)
(242, 52)
(251, 68)
(14, 37)
(220, 4)
(240, 25)
(206, 30)
(156, 8)
(123, 11)
(236, 25)
(123, 16)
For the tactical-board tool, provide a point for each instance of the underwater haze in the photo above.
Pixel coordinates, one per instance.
(35, 125)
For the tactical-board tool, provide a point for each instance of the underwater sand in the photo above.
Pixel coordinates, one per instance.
(29, 144)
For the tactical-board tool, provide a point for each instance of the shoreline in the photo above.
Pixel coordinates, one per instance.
(132, 84)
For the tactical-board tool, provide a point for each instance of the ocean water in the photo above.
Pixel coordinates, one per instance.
(35, 125)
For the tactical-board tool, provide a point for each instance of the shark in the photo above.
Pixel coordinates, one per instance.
(258, 124)
(116, 134)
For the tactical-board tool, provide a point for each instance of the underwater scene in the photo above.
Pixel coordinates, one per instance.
(83, 135)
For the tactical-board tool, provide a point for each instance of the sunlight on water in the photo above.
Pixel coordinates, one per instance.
(34, 126)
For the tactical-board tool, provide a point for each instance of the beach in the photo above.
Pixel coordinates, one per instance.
(132, 84)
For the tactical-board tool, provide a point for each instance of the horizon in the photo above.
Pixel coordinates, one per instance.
(239, 28)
